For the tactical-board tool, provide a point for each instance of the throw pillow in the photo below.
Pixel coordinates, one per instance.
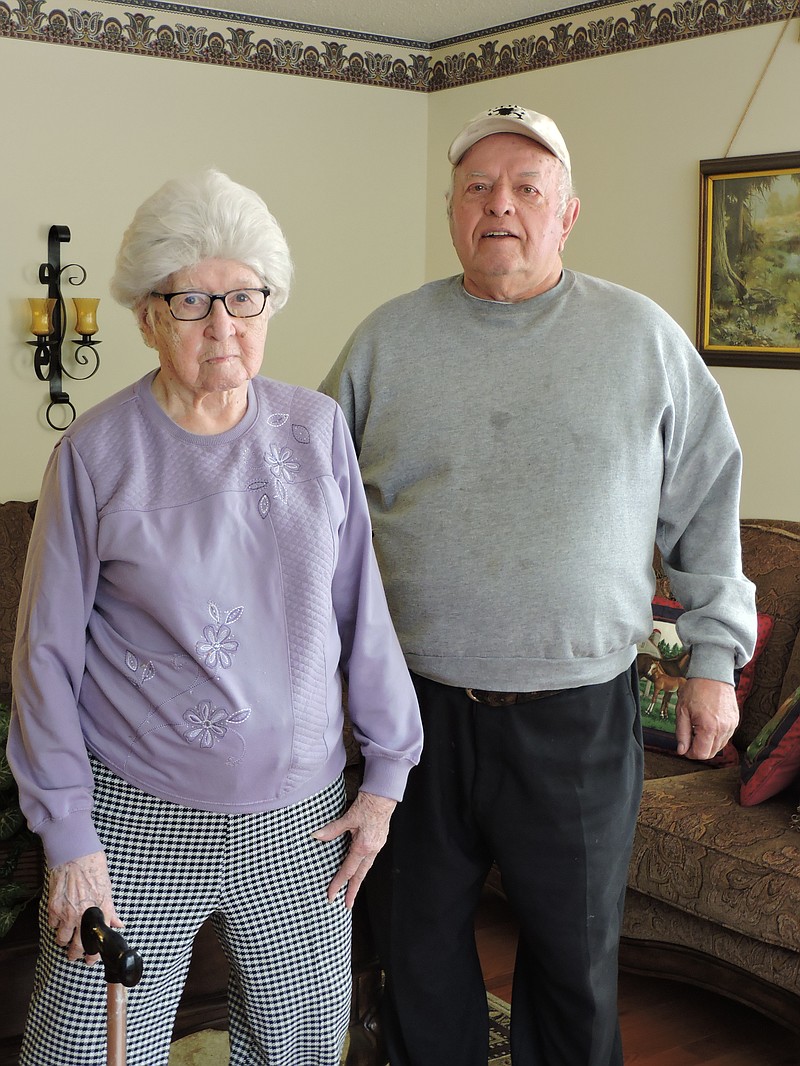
(663, 663)
(772, 762)
(745, 677)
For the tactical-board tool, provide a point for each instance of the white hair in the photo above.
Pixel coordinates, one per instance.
(206, 216)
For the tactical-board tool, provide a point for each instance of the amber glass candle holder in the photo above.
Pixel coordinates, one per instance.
(85, 316)
(41, 315)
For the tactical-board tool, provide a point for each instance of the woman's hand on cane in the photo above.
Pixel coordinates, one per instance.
(73, 887)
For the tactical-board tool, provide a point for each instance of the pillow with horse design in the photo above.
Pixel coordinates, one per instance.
(663, 664)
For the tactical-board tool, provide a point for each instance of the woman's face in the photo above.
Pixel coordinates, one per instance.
(217, 353)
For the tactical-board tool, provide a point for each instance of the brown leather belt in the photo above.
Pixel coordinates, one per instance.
(508, 699)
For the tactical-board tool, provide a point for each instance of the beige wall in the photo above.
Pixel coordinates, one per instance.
(356, 175)
(94, 133)
(636, 125)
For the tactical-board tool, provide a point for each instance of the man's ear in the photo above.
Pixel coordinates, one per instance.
(569, 218)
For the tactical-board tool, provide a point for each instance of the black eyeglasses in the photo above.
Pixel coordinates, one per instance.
(192, 306)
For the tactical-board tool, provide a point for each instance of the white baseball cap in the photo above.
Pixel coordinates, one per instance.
(511, 119)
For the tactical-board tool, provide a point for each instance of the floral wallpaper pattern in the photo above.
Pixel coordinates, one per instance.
(203, 35)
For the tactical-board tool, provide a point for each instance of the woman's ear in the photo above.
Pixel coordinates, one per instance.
(145, 322)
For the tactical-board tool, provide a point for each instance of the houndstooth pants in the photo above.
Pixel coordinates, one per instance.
(261, 879)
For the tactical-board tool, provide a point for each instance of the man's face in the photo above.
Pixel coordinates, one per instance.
(506, 221)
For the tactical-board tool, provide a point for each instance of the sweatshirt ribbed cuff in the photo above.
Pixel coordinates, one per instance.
(712, 662)
(69, 838)
(386, 777)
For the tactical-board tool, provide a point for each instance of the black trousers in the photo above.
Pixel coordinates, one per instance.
(549, 790)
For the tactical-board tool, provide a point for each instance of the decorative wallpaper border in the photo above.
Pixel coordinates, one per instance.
(203, 35)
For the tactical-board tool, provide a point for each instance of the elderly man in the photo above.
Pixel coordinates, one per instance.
(525, 434)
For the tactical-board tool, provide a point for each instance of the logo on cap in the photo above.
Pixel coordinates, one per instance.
(508, 112)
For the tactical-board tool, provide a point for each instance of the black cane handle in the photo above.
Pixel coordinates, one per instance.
(123, 965)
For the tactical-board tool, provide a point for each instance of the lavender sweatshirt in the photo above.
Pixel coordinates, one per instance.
(187, 604)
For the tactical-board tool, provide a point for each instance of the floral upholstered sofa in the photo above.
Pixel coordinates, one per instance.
(714, 887)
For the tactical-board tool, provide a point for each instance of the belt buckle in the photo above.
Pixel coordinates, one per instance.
(487, 698)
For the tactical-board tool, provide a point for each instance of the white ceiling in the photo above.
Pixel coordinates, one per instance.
(420, 21)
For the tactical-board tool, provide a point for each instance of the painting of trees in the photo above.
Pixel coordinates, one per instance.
(750, 261)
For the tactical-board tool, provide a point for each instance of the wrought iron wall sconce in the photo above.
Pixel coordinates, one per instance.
(48, 325)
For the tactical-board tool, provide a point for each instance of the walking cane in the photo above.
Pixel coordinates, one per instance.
(123, 968)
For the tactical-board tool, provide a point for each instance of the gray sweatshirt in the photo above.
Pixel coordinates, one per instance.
(520, 460)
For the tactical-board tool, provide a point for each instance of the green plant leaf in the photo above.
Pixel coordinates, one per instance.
(12, 893)
(7, 782)
(12, 850)
(11, 821)
(8, 915)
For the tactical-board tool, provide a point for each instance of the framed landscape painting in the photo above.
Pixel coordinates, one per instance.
(748, 304)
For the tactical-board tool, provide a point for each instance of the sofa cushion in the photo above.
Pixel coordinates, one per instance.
(745, 676)
(659, 764)
(771, 559)
(772, 762)
(697, 850)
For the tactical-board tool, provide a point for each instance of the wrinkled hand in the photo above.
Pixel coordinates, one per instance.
(707, 714)
(367, 821)
(73, 888)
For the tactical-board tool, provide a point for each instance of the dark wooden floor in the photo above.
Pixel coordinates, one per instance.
(663, 1023)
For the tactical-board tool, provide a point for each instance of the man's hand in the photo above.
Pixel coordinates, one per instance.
(73, 888)
(367, 821)
(707, 715)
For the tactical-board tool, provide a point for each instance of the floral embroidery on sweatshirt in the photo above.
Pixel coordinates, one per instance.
(208, 724)
(283, 465)
(218, 646)
(142, 671)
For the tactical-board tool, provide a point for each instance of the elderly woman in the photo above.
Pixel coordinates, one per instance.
(200, 577)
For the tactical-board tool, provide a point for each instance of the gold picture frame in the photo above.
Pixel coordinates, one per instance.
(748, 293)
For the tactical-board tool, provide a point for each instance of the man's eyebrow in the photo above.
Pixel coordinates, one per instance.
(521, 174)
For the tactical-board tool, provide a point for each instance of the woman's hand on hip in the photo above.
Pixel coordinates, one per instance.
(367, 821)
(73, 888)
